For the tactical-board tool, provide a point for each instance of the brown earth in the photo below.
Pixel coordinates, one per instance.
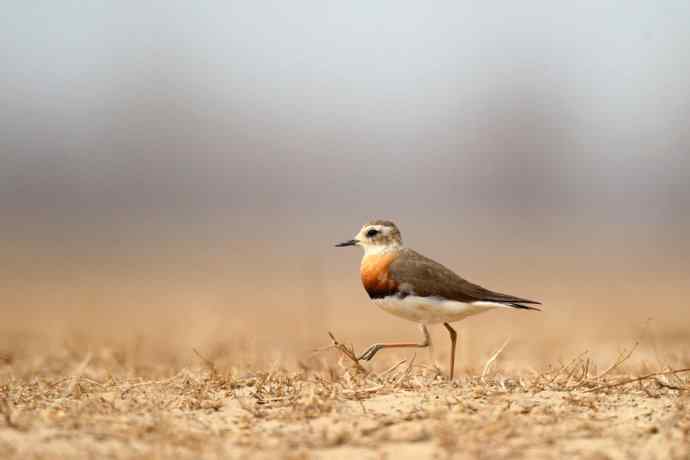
(102, 405)
(205, 354)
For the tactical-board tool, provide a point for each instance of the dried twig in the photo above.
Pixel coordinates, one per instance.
(348, 352)
(392, 368)
(491, 360)
(563, 367)
(670, 386)
(583, 378)
(638, 379)
(623, 357)
(406, 373)
(207, 362)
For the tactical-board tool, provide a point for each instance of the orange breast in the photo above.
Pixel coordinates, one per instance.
(375, 276)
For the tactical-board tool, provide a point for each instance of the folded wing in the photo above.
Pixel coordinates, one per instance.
(418, 275)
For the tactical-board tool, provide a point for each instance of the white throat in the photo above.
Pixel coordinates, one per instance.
(378, 249)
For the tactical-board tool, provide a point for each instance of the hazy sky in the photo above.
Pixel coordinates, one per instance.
(248, 107)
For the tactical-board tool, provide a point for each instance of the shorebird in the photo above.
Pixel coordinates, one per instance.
(406, 284)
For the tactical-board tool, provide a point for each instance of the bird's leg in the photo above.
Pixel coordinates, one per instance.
(375, 348)
(453, 340)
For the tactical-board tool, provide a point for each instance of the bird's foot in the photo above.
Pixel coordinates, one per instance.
(370, 352)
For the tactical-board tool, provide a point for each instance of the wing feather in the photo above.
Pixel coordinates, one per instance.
(419, 275)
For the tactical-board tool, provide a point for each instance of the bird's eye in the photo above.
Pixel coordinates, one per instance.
(372, 232)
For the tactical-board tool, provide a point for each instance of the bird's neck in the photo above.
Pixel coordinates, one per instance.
(380, 250)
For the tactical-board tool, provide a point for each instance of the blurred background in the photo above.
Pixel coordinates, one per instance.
(173, 175)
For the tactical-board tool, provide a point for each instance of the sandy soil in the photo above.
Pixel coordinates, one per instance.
(98, 360)
(105, 407)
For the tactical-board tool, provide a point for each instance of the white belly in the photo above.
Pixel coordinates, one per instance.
(430, 310)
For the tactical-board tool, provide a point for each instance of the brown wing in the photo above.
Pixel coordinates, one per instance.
(419, 275)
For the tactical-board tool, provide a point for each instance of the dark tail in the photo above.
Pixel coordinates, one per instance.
(524, 307)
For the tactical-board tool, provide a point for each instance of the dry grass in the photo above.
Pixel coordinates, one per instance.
(98, 405)
(116, 363)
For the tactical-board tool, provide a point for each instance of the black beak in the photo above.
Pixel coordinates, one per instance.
(347, 243)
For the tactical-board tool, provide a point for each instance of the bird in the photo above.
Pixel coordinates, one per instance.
(409, 285)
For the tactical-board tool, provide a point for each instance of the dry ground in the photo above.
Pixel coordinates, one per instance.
(97, 357)
(108, 404)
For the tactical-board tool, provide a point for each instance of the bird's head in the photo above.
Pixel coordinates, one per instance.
(375, 237)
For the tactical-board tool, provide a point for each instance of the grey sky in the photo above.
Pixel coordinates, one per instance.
(251, 105)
